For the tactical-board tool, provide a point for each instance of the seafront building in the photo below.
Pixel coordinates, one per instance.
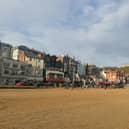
(112, 74)
(32, 57)
(5, 50)
(12, 71)
(63, 63)
(24, 63)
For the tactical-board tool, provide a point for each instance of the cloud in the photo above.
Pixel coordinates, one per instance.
(93, 31)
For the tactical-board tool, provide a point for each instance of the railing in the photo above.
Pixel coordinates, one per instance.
(55, 69)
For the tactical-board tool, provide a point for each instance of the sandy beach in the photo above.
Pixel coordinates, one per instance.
(64, 109)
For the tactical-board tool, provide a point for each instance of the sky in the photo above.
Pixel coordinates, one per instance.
(93, 31)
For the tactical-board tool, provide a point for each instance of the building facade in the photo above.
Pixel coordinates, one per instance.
(111, 74)
(62, 63)
(70, 67)
(5, 50)
(12, 71)
(32, 57)
(93, 71)
(53, 62)
(81, 70)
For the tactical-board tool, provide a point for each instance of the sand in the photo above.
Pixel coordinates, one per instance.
(64, 109)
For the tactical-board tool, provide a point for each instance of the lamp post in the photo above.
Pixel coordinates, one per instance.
(73, 75)
(35, 67)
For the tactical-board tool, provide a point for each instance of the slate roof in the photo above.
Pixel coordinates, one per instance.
(30, 52)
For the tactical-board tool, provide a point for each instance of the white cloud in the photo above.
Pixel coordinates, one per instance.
(91, 31)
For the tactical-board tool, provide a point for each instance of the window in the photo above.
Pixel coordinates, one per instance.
(22, 73)
(59, 76)
(5, 48)
(14, 72)
(6, 64)
(15, 65)
(51, 75)
(38, 66)
(6, 71)
(29, 65)
(22, 67)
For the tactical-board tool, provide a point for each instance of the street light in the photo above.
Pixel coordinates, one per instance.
(35, 67)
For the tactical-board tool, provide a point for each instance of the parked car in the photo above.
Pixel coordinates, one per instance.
(38, 84)
(21, 84)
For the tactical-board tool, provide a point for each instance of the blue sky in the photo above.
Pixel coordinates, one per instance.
(94, 31)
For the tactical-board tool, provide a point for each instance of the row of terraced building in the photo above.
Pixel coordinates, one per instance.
(24, 63)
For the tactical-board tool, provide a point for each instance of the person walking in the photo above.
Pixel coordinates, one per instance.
(106, 86)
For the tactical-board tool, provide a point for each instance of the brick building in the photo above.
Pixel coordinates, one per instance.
(111, 74)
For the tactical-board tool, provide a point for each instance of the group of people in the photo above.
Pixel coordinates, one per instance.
(83, 83)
